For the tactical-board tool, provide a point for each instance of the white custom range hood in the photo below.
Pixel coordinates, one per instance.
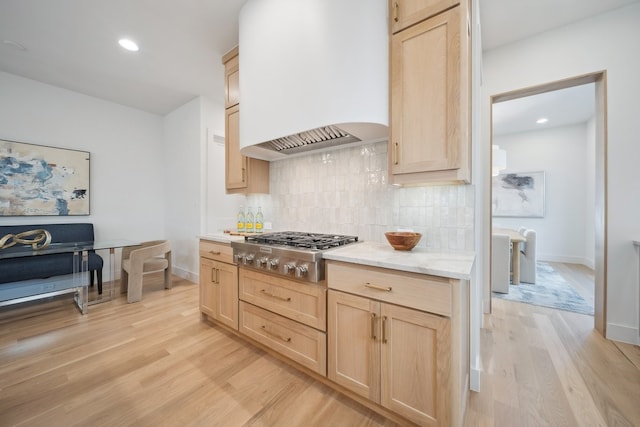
(313, 75)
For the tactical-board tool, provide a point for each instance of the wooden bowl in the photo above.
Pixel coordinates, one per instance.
(402, 240)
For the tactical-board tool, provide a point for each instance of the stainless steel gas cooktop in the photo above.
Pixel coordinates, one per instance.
(289, 253)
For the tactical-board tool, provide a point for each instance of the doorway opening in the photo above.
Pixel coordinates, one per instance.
(535, 210)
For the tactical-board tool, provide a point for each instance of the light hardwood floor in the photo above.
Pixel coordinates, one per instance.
(550, 367)
(157, 363)
(580, 277)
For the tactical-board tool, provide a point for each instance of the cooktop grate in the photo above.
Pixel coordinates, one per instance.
(298, 239)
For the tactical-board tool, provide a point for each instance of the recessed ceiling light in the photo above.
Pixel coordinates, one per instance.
(128, 44)
(542, 120)
(14, 44)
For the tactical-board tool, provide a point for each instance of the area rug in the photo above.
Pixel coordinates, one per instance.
(551, 290)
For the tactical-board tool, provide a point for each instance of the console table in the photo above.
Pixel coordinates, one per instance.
(77, 282)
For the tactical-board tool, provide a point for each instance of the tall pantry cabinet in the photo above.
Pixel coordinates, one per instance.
(430, 91)
(242, 174)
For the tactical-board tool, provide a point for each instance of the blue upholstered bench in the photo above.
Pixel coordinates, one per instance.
(26, 269)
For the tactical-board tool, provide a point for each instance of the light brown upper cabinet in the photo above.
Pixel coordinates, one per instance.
(430, 97)
(231, 78)
(405, 13)
(242, 174)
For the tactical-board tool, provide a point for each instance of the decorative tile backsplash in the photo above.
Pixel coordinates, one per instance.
(347, 192)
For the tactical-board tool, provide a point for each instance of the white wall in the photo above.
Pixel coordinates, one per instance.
(181, 176)
(146, 171)
(607, 42)
(127, 154)
(561, 153)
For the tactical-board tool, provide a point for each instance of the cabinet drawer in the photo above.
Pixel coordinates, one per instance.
(300, 343)
(422, 292)
(305, 303)
(216, 251)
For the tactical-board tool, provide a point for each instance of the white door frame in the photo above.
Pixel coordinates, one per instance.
(600, 80)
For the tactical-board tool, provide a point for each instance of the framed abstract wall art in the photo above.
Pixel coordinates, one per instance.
(518, 195)
(38, 180)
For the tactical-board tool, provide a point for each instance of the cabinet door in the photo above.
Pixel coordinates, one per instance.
(227, 294)
(405, 13)
(353, 349)
(415, 349)
(219, 291)
(208, 288)
(236, 163)
(425, 101)
(231, 80)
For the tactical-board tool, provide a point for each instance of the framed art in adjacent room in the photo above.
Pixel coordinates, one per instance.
(39, 180)
(518, 195)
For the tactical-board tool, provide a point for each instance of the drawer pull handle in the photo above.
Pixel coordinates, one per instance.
(214, 275)
(215, 252)
(384, 332)
(378, 287)
(269, 294)
(280, 337)
(395, 11)
(373, 326)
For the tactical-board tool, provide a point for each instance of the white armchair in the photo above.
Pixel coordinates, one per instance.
(500, 261)
(137, 261)
(528, 258)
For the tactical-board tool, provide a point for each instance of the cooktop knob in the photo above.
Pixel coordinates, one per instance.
(273, 264)
(262, 261)
(290, 268)
(238, 258)
(301, 270)
(248, 259)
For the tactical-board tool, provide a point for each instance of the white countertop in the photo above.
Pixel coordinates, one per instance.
(455, 265)
(221, 237)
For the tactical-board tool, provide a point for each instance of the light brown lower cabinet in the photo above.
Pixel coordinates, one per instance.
(397, 339)
(219, 291)
(392, 355)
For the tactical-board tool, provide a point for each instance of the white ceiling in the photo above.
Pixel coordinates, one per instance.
(561, 107)
(73, 43)
(506, 21)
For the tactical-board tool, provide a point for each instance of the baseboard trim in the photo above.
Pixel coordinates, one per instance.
(185, 274)
(474, 379)
(566, 259)
(623, 333)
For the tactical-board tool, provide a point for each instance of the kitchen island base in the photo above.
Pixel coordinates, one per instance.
(395, 340)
